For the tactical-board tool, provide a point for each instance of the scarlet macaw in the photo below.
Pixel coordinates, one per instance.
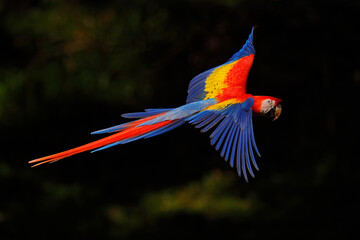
(216, 97)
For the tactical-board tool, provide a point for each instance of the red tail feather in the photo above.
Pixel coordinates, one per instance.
(130, 132)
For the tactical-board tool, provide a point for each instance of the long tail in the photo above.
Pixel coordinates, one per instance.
(152, 122)
(127, 132)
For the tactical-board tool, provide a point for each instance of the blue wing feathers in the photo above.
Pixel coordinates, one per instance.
(247, 149)
(196, 118)
(243, 166)
(230, 139)
(239, 156)
(251, 152)
(233, 146)
(200, 77)
(207, 120)
(250, 133)
(213, 123)
(197, 86)
(233, 134)
(220, 131)
(253, 139)
(223, 134)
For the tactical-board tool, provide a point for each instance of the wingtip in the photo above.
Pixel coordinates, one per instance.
(251, 36)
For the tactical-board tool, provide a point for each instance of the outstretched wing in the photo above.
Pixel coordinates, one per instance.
(233, 134)
(225, 81)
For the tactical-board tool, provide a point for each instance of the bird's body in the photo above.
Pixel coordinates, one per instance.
(216, 98)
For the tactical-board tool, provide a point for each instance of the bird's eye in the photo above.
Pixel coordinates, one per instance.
(269, 101)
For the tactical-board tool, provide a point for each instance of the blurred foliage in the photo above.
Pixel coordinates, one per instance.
(67, 48)
(209, 198)
(70, 67)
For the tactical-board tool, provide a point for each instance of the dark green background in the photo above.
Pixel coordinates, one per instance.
(71, 67)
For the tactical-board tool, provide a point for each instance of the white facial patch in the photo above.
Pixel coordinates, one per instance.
(266, 105)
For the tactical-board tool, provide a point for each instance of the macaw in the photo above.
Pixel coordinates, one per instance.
(217, 99)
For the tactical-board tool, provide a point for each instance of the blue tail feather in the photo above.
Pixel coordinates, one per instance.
(147, 113)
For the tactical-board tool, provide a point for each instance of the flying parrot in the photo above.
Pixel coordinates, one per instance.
(217, 99)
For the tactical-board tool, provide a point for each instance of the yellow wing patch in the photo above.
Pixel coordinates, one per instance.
(215, 82)
(222, 105)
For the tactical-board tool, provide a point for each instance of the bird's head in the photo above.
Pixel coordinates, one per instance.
(266, 106)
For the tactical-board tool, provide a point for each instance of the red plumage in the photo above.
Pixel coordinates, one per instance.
(133, 130)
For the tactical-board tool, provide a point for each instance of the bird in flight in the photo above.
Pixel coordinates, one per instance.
(217, 100)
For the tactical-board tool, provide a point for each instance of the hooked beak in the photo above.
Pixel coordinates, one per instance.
(277, 112)
(274, 112)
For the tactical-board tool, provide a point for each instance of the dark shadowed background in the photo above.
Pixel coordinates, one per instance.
(68, 68)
